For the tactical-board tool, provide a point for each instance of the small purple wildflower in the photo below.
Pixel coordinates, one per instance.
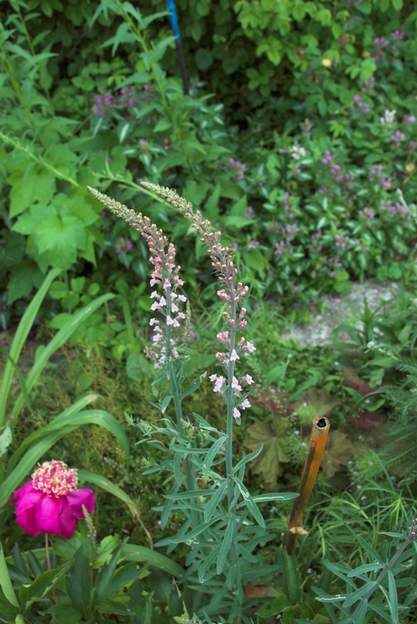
(327, 158)
(238, 168)
(397, 137)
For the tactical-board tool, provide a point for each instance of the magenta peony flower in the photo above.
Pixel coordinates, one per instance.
(50, 502)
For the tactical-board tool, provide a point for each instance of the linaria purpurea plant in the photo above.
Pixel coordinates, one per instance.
(222, 523)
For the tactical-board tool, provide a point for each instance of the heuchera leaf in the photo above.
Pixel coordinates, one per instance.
(338, 453)
(273, 436)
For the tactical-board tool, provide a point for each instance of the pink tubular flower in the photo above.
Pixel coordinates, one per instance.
(51, 502)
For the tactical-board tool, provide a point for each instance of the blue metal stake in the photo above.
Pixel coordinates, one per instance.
(178, 44)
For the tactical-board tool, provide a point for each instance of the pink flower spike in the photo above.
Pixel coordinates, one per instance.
(236, 413)
(182, 298)
(167, 284)
(243, 323)
(236, 385)
(155, 294)
(223, 336)
(250, 347)
(153, 321)
(51, 502)
(245, 404)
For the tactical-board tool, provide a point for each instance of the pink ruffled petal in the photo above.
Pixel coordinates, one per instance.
(26, 497)
(67, 520)
(28, 521)
(80, 497)
(48, 515)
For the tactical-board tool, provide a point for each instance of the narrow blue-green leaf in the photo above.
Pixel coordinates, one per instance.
(363, 569)
(57, 341)
(359, 594)
(181, 537)
(132, 552)
(105, 484)
(250, 504)
(225, 546)
(215, 500)
(247, 458)
(274, 496)
(214, 450)
(393, 598)
(359, 615)
(19, 340)
(190, 494)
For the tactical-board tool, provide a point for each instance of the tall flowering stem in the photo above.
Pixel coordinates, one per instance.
(232, 293)
(168, 300)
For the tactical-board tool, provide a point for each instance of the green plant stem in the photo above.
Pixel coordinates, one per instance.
(230, 404)
(47, 556)
(39, 160)
(177, 398)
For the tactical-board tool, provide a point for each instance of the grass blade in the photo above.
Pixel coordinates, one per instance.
(19, 340)
(57, 341)
(38, 433)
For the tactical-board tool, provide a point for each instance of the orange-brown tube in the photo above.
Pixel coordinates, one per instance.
(315, 452)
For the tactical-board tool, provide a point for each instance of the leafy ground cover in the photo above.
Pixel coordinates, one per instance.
(297, 153)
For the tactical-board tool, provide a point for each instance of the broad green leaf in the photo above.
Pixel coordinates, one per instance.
(132, 552)
(79, 582)
(41, 586)
(19, 340)
(111, 488)
(104, 579)
(273, 437)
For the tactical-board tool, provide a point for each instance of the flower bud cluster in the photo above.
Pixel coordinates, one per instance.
(168, 303)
